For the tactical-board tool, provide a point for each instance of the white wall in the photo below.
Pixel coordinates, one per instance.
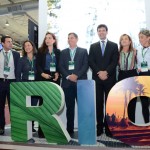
(147, 10)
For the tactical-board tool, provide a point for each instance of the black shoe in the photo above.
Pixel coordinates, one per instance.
(33, 130)
(40, 133)
(1, 131)
(109, 134)
(99, 132)
(41, 136)
(71, 132)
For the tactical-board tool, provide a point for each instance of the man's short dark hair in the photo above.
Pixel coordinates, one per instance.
(102, 26)
(75, 35)
(4, 37)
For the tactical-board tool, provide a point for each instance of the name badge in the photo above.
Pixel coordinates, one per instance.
(144, 66)
(31, 75)
(6, 70)
(71, 65)
(52, 67)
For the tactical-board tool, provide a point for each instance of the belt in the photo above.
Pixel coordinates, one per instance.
(7, 80)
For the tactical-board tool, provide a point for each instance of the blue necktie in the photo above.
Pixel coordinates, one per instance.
(103, 47)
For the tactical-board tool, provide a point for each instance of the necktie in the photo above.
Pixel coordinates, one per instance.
(6, 59)
(5, 62)
(103, 47)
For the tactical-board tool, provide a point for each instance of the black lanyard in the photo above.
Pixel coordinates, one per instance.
(126, 61)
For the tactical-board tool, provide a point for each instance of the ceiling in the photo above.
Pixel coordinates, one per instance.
(17, 13)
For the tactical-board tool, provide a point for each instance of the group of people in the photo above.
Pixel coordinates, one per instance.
(71, 64)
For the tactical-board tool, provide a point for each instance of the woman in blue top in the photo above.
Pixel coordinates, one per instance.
(26, 69)
(47, 63)
(48, 60)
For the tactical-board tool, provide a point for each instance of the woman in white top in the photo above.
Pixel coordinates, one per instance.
(143, 59)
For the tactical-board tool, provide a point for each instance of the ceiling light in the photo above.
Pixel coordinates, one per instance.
(7, 23)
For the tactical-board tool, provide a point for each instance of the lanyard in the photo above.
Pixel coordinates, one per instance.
(126, 61)
(143, 54)
(52, 55)
(8, 56)
(72, 54)
(31, 63)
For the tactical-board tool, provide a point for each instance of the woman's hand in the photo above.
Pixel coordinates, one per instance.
(46, 76)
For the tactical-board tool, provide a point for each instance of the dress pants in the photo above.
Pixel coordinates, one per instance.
(102, 91)
(70, 97)
(4, 92)
(145, 109)
(144, 102)
(126, 74)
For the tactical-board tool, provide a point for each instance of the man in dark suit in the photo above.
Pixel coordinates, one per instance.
(8, 64)
(103, 59)
(73, 66)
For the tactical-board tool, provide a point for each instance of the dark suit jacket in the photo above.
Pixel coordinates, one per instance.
(23, 69)
(81, 65)
(108, 62)
(41, 60)
(16, 57)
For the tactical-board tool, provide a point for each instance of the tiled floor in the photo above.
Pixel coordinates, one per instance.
(103, 142)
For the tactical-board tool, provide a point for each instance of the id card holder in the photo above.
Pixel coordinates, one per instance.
(144, 66)
(52, 67)
(71, 65)
(6, 70)
(31, 75)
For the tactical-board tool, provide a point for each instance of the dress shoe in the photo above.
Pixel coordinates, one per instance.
(1, 131)
(108, 134)
(41, 136)
(71, 132)
(33, 130)
(99, 132)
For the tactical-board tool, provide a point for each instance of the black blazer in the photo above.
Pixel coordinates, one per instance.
(81, 65)
(16, 57)
(41, 61)
(23, 69)
(108, 62)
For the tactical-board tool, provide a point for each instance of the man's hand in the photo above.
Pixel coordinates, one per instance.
(73, 77)
(56, 76)
(103, 75)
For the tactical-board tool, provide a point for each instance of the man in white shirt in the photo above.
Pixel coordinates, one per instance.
(8, 64)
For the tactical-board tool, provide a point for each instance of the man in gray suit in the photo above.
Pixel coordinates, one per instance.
(73, 66)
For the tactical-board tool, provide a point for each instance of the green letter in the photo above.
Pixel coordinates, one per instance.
(22, 113)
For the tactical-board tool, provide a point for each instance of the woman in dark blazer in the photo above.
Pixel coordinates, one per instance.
(26, 69)
(48, 60)
(47, 63)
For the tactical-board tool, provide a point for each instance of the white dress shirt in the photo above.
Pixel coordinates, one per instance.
(102, 43)
(10, 64)
(140, 58)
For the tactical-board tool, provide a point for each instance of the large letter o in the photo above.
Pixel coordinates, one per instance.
(116, 110)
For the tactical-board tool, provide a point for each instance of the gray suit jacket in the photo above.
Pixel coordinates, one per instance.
(81, 65)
